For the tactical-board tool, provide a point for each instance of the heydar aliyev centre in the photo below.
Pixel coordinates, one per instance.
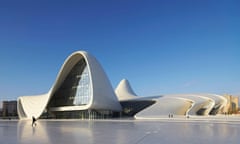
(83, 90)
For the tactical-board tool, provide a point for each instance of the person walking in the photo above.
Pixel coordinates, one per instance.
(34, 121)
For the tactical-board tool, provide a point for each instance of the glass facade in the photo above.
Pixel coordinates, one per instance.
(75, 90)
(130, 108)
(86, 114)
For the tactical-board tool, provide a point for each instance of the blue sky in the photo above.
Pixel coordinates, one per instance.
(161, 47)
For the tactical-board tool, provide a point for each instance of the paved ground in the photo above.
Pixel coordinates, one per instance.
(198, 130)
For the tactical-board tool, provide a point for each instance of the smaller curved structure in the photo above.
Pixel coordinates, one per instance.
(131, 103)
(124, 91)
(219, 104)
(29, 106)
(183, 105)
(201, 105)
(164, 107)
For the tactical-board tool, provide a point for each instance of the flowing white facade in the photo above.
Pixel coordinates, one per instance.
(176, 104)
(82, 90)
(185, 105)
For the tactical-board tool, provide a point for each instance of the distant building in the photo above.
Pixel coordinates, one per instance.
(1, 108)
(232, 106)
(9, 109)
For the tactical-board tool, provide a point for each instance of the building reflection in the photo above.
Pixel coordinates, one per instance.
(52, 132)
(28, 134)
(120, 132)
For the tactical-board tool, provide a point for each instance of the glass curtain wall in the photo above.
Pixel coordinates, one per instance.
(75, 90)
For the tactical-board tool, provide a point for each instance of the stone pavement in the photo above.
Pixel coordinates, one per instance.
(165, 131)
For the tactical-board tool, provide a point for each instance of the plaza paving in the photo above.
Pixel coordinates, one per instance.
(177, 130)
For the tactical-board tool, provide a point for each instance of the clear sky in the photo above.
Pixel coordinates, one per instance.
(160, 46)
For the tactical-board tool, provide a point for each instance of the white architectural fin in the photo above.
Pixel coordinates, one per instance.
(124, 90)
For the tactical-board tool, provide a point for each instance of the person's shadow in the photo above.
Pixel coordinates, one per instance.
(33, 130)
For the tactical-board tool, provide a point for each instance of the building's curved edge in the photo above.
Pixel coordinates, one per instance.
(197, 102)
(220, 103)
(208, 104)
(102, 97)
(165, 106)
(201, 105)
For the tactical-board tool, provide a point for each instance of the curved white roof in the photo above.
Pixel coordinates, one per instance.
(102, 96)
(165, 106)
(219, 100)
(183, 104)
(199, 102)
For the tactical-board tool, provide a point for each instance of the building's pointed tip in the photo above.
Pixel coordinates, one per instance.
(124, 90)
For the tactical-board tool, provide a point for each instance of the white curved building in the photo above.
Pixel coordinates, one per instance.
(184, 105)
(200, 105)
(162, 106)
(81, 89)
(219, 103)
(165, 106)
